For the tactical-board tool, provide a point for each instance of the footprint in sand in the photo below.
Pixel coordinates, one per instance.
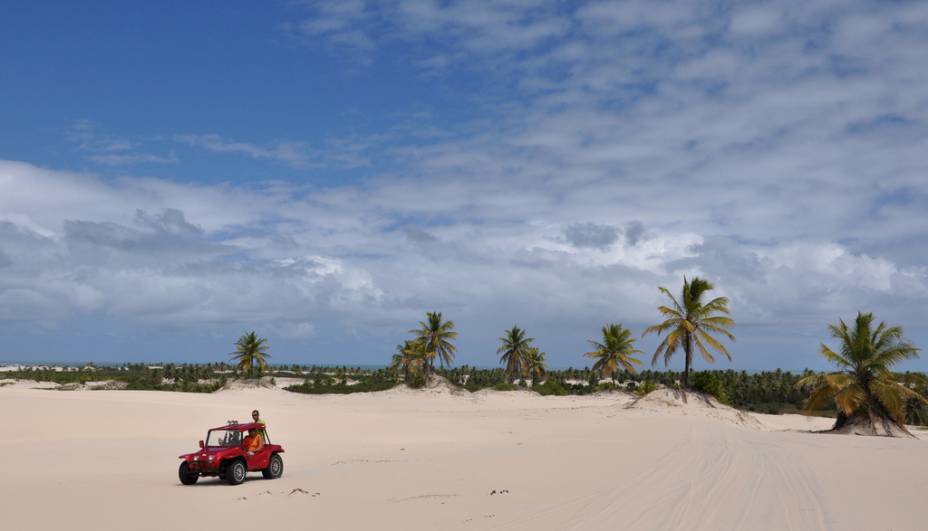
(301, 491)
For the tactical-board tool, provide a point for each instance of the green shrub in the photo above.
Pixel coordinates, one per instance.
(366, 383)
(709, 383)
(550, 387)
(342, 389)
(416, 381)
(645, 387)
(505, 386)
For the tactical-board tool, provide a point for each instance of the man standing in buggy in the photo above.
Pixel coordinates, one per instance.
(256, 418)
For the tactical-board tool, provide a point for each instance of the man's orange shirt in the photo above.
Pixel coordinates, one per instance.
(252, 444)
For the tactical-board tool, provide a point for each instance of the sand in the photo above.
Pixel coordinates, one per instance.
(432, 460)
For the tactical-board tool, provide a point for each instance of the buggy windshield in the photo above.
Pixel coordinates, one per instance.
(224, 438)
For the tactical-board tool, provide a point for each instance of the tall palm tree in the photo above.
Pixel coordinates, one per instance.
(513, 350)
(690, 323)
(436, 337)
(251, 351)
(617, 348)
(535, 366)
(870, 399)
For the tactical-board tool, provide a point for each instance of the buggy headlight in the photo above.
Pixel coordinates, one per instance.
(210, 458)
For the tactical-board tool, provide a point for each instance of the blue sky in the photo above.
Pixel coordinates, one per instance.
(325, 172)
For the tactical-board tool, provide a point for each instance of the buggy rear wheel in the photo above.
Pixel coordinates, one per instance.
(275, 468)
(187, 476)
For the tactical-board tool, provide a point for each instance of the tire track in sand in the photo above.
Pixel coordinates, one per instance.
(716, 477)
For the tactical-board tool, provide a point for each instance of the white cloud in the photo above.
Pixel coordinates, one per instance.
(132, 158)
(757, 20)
(110, 150)
(342, 153)
(483, 27)
(292, 265)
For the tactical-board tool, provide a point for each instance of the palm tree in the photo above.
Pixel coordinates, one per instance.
(690, 323)
(514, 349)
(534, 366)
(409, 357)
(436, 337)
(617, 348)
(870, 399)
(251, 350)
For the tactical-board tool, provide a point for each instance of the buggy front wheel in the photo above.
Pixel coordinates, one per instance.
(235, 472)
(187, 476)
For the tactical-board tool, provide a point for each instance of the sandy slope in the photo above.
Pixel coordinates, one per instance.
(407, 460)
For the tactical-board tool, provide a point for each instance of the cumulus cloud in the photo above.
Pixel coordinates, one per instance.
(307, 280)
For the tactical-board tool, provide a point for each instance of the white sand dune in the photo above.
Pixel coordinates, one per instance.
(430, 460)
(676, 401)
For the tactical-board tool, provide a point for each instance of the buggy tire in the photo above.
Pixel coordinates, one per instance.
(275, 468)
(235, 472)
(187, 477)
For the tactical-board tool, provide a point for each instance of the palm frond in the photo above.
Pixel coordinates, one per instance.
(660, 328)
(714, 343)
(819, 398)
(702, 349)
(850, 398)
(673, 300)
(891, 355)
(834, 357)
(892, 397)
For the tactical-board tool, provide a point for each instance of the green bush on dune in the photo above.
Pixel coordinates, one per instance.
(366, 383)
(550, 387)
(708, 383)
(643, 388)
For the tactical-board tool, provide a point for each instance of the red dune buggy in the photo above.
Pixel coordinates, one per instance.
(223, 455)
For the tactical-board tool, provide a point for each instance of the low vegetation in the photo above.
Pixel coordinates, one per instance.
(321, 382)
(204, 378)
(764, 392)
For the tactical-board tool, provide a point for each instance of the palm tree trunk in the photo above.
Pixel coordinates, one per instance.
(688, 350)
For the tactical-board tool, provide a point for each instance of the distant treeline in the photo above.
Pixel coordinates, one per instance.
(204, 378)
(765, 392)
(771, 392)
(195, 378)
